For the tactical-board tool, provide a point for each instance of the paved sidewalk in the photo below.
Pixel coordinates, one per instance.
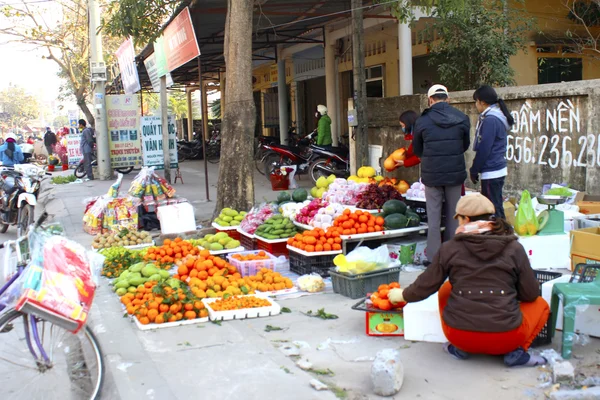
(238, 359)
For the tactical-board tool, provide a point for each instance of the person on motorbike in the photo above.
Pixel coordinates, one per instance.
(323, 126)
(10, 152)
(87, 147)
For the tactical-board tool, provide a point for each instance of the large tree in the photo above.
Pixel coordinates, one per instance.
(17, 107)
(60, 29)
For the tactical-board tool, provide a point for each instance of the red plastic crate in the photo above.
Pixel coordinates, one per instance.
(247, 240)
(277, 247)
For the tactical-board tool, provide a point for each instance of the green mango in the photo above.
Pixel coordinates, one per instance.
(121, 292)
(122, 284)
(137, 267)
(155, 278)
(164, 274)
(137, 281)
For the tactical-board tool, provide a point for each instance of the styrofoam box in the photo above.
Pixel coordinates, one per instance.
(587, 319)
(548, 252)
(176, 218)
(422, 321)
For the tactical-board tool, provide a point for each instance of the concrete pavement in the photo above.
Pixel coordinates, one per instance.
(238, 359)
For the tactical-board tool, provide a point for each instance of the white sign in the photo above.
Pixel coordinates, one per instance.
(152, 70)
(152, 142)
(73, 150)
(129, 74)
(73, 119)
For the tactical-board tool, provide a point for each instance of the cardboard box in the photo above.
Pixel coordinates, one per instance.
(509, 212)
(589, 204)
(585, 246)
(408, 251)
(384, 324)
(547, 252)
(422, 321)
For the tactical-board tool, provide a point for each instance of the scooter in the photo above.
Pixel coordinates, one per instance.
(278, 155)
(329, 160)
(19, 188)
(80, 171)
(189, 150)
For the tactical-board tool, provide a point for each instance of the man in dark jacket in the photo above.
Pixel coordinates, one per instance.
(49, 140)
(441, 138)
(87, 147)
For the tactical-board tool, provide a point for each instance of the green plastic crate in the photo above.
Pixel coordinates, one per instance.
(357, 286)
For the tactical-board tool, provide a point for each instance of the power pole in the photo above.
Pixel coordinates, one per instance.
(98, 78)
(359, 142)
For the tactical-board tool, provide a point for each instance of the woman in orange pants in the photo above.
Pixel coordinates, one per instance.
(491, 303)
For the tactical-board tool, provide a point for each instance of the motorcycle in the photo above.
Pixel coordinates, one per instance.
(276, 155)
(19, 188)
(80, 171)
(189, 150)
(329, 160)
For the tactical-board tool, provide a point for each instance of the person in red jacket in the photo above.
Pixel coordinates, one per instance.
(407, 122)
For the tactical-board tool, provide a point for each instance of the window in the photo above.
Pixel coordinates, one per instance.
(554, 70)
(375, 81)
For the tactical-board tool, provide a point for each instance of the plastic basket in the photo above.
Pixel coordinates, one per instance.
(543, 338)
(280, 182)
(250, 268)
(357, 286)
(247, 240)
(277, 247)
(303, 264)
(585, 273)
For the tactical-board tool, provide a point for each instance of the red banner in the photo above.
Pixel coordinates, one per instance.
(179, 41)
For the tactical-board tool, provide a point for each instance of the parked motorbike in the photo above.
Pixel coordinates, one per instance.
(19, 188)
(80, 171)
(299, 154)
(329, 160)
(189, 150)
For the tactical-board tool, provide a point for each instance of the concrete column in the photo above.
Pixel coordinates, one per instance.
(331, 87)
(190, 116)
(405, 59)
(282, 98)
(297, 116)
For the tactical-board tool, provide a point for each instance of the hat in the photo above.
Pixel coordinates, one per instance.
(437, 89)
(11, 136)
(474, 205)
(322, 109)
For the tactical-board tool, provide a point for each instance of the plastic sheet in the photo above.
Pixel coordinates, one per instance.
(570, 311)
(362, 260)
(526, 222)
(311, 283)
(257, 216)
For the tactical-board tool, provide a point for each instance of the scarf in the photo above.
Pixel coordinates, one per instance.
(475, 228)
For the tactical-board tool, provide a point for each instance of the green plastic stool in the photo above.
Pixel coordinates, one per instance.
(572, 295)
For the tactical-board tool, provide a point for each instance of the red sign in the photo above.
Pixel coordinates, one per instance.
(179, 41)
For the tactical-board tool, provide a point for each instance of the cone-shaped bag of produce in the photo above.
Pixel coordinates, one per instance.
(526, 222)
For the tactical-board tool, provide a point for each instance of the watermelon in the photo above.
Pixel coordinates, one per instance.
(283, 196)
(413, 218)
(394, 207)
(396, 221)
(299, 195)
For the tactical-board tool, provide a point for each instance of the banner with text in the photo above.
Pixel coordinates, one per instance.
(73, 120)
(129, 74)
(152, 142)
(152, 69)
(123, 130)
(177, 45)
(73, 150)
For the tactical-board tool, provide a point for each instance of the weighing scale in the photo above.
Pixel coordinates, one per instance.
(555, 224)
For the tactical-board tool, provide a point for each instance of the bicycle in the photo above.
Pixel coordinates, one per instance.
(40, 358)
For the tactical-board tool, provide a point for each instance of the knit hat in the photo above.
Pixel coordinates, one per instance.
(474, 205)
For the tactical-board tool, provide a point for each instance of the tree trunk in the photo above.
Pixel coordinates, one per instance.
(361, 132)
(236, 175)
(89, 117)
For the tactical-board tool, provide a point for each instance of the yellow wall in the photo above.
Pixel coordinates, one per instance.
(525, 66)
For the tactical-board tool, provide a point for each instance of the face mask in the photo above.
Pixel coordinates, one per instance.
(316, 115)
(403, 129)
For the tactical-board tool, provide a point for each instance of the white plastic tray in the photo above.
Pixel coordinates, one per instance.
(279, 292)
(419, 199)
(274, 309)
(224, 251)
(314, 253)
(385, 233)
(243, 232)
(182, 322)
(275, 241)
(225, 228)
(353, 208)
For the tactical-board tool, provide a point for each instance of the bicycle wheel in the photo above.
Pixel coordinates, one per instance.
(213, 153)
(75, 369)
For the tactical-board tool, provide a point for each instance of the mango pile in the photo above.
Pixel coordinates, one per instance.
(277, 227)
(136, 275)
(230, 217)
(217, 242)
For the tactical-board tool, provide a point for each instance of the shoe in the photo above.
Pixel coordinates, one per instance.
(426, 263)
(454, 352)
(521, 358)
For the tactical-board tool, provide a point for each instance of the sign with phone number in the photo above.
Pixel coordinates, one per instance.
(552, 136)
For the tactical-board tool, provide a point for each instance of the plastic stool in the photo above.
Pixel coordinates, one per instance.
(178, 176)
(572, 295)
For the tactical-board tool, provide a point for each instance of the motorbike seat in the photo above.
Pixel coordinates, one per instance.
(340, 151)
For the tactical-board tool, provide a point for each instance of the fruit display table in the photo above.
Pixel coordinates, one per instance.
(375, 239)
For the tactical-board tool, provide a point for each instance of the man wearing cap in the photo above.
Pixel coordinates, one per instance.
(49, 140)
(441, 138)
(491, 303)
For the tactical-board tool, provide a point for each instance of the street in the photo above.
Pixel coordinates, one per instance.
(240, 359)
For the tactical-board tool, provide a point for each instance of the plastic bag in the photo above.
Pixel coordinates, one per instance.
(291, 171)
(312, 283)
(362, 260)
(526, 223)
(113, 191)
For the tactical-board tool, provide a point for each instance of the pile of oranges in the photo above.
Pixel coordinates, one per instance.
(380, 297)
(260, 255)
(239, 302)
(268, 281)
(170, 252)
(349, 223)
(159, 303)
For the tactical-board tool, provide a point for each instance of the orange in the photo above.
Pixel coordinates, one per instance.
(152, 314)
(144, 320)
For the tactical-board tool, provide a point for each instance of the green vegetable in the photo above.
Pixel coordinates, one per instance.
(62, 180)
(561, 191)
